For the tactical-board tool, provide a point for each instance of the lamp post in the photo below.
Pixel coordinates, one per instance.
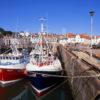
(91, 15)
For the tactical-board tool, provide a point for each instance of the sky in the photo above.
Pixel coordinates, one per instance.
(62, 16)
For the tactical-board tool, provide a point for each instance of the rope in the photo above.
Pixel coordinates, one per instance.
(59, 76)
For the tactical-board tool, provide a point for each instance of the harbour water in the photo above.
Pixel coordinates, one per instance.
(23, 91)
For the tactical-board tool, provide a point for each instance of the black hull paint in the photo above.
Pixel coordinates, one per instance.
(41, 83)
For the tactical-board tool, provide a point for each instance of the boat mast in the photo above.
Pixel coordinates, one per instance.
(42, 20)
(14, 47)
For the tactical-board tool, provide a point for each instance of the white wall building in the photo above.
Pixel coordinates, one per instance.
(63, 41)
(70, 38)
(79, 38)
(98, 39)
(82, 38)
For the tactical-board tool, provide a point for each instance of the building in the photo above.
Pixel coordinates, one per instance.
(83, 39)
(19, 41)
(70, 38)
(95, 40)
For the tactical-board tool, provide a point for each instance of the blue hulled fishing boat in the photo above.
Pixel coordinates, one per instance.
(44, 66)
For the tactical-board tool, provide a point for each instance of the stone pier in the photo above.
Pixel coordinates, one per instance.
(83, 88)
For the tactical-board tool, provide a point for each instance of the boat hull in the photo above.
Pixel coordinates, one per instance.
(11, 75)
(42, 83)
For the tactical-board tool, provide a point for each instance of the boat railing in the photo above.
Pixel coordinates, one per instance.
(42, 61)
(11, 60)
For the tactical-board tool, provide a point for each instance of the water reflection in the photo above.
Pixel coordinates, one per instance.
(23, 91)
(12, 91)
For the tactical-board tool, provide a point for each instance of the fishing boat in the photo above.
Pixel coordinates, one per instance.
(43, 67)
(12, 65)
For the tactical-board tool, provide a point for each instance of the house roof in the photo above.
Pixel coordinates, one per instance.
(85, 36)
(70, 35)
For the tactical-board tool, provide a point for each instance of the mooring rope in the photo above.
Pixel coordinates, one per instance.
(59, 76)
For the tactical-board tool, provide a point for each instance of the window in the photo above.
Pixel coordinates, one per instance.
(14, 58)
(6, 57)
(17, 57)
(0, 57)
